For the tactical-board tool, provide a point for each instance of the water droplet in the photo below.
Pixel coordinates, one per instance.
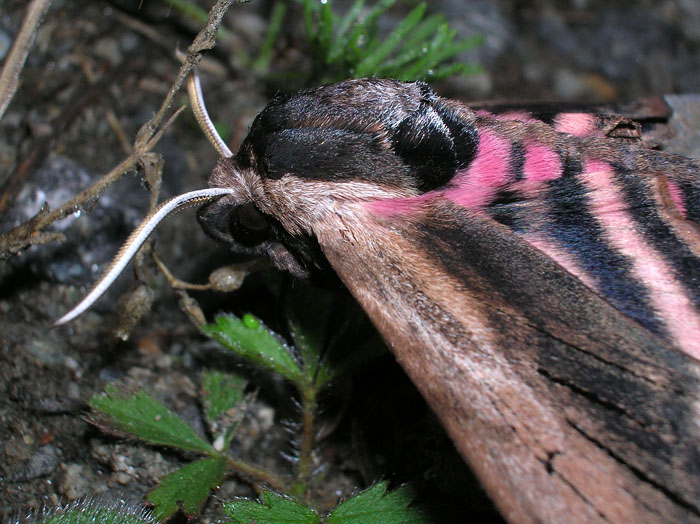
(250, 321)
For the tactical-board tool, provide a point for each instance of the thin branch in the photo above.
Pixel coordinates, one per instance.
(27, 234)
(9, 77)
(256, 474)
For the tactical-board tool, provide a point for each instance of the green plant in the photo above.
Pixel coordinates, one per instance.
(418, 48)
(329, 339)
(93, 511)
(373, 506)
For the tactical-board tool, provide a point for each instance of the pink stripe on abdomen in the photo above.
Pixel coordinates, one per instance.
(677, 197)
(476, 186)
(541, 163)
(577, 124)
(666, 294)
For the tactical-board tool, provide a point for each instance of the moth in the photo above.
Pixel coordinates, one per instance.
(539, 281)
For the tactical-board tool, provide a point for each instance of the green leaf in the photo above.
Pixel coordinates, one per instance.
(420, 68)
(274, 509)
(308, 18)
(141, 415)
(452, 69)
(367, 27)
(370, 63)
(187, 488)
(325, 26)
(279, 11)
(221, 392)
(256, 344)
(416, 38)
(342, 37)
(376, 506)
(96, 512)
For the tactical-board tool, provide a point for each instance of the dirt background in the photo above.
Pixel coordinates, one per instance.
(56, 139)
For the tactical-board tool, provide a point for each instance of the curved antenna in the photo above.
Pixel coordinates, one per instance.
(194, 89)
(134, 242)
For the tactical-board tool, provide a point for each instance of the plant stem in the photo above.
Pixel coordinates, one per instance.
(308, 418)
(256, 474)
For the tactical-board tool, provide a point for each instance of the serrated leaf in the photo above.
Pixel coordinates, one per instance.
(187, 488)
(143, 416)
(257, 344)
(97, 512)
(220, 392)
(274, 509)
(330, 332)
(376, 506)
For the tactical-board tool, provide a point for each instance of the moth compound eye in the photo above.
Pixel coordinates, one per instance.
(248, 226)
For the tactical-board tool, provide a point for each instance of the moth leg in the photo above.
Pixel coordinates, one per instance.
(224, 279)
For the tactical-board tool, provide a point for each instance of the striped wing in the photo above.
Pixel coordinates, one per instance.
(539, 301)
(567, 409)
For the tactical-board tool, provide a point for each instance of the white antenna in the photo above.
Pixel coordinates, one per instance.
(134, 242)
(194, 89)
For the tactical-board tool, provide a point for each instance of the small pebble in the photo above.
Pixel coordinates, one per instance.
(108, 48)
(71, 363)
(76, 481)
(129, 42)
(266, 418)
(43, 462)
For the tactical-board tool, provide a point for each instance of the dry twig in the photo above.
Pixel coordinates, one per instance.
(9, 77)
(31, 232)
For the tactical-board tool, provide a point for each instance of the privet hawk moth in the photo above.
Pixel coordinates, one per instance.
(538, 281)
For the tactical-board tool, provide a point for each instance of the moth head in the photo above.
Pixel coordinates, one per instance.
(348, 142)
(246, 221)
